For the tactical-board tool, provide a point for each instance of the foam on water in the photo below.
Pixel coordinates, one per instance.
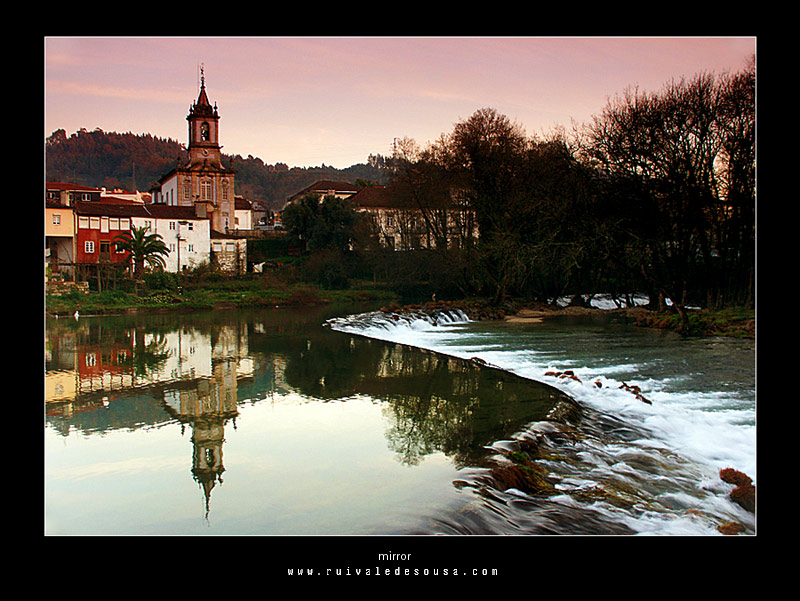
(680, 441)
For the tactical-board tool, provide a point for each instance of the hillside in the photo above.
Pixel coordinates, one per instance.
(135, 162)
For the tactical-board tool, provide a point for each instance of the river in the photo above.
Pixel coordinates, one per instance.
(339, 421)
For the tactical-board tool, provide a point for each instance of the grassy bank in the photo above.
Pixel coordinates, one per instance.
(736, 322)
(254, 292)
(249, 293)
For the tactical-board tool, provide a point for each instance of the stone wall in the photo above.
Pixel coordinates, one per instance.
(58, 288)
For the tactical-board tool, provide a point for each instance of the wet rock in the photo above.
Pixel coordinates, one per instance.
(563, 374)
(730, 528)
(564, 412)
(636, 391)
(521, 474)
(744, 494)
(745, 497)
(732, 476)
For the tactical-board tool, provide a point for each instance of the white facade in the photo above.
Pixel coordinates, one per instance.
(188, 240)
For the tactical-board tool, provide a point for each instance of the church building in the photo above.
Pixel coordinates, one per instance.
(203, 182)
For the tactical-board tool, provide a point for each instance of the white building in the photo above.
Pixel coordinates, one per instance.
(186, 235)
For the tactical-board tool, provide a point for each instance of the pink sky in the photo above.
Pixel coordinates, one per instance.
(308, 101)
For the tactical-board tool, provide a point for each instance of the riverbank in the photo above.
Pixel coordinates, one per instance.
(227, 295)
(733, 322)
(250, 293)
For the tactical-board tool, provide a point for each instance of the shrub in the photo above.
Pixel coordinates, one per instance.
(161, 280)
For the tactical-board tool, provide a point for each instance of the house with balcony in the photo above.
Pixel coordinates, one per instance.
(96, 225)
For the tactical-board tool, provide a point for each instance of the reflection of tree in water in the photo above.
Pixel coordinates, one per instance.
(433, 402)
(149, 356)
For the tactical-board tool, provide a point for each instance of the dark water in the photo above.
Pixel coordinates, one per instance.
(266, 423)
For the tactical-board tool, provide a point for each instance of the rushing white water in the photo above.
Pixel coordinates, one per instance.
(664, 456)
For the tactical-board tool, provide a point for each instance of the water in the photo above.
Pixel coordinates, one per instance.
(652, 467)
(262, 422)
(285, 422)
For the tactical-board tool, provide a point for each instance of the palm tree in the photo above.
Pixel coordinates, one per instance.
(143, 247)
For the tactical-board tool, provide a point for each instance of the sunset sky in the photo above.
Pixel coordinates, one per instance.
(335, 100)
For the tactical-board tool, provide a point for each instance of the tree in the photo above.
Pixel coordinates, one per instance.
(685, 158)
(330, 223)
(144, 249)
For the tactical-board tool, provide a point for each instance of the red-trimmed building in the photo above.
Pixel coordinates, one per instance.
(97, 223)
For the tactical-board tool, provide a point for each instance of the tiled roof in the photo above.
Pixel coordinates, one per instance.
(375, 197)
(120, 208)
(323, 186)
(67, 186)
(215, 235)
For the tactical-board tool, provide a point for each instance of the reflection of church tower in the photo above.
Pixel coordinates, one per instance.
(208, 434)
(206, 405)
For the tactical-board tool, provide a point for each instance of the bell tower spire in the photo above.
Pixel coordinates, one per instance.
(204, 127)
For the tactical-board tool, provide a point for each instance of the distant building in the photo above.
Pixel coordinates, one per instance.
(326, 188)
(242, 214)
(66, 193)
(398, 222)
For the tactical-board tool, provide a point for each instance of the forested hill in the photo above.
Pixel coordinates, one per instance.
(135, 162)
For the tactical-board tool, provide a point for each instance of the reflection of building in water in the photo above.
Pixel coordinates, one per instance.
(195, 372)
(205, 405)
(187, 355)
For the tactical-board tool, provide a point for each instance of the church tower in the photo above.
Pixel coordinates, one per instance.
(204, 182)
(204, 129)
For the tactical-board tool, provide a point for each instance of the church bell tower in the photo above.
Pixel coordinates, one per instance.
(204, 129)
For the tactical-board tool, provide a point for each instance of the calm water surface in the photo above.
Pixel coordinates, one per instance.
(262, 423)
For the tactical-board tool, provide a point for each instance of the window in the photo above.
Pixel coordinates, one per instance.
(205, 190)
(124, 224)
(94, 223)
(113, 223)
(88, 247)
(56, 219)
(83, 223)
(191, 248)
(172, 225)
(187, 191)
(204, 131)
